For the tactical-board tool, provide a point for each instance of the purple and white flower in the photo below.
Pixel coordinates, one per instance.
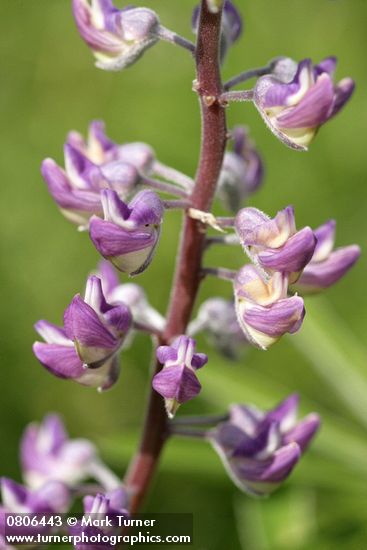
(101, 150)
(275, 244)
(217, 318)
(242, 171)
(264, 311)
(116, 37)
(52, 497)
(85, 350)
(260, 449)
(327, 266)
(96, 508)
(48, 454)
(129, 233)
(297, 99)
(177, 381)
(76, 190)
(232, 26)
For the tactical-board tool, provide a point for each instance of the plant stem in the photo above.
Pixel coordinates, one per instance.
(188, 270)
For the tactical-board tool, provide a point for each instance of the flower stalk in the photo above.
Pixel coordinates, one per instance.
(188, 272)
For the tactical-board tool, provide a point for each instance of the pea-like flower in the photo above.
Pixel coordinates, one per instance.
(86, 349)
(242, 171)
(260, 449)
(299, 98)
(217, 318)
(177, 381)
(231, 26)
(275, 244)
(101, 150)
(129, 233)
(116, 37)
(104, 507)
(264, 311)
(76, 190)
(327, 266)
(47, 454)
(52, 497)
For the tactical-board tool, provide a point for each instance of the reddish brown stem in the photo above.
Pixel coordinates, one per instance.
(188, 270)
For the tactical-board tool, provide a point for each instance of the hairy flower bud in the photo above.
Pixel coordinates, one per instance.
(297, 99)
(263, 310)
(117, 38)
(259, 450)
(242, 171)
(327, 266)
(85, 350)
(129, 233)
(177, 381)
(275, 244)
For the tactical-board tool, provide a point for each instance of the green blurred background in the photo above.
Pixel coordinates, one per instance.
(49, 86)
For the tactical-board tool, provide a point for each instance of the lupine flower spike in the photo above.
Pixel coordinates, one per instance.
(259, 450)
(129, 233)
(85, 350)
(299, 98)
(327, 266)
(177, 381)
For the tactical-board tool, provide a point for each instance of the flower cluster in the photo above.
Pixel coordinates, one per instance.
(114, 191)
(54, 470)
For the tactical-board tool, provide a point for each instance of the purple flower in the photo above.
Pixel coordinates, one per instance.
(177, 381)
(129, 233)
(52, 497)
(231, 25)
(48, 454)
(76, 190)
(259, 450)
(85, 350)
(242, 171)
(130, 294)
(101, 507)
(327, 266)
(101, 150)
(263, 310)
(217, 317)
(297, 99)
(116, 37)
(275, 244)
